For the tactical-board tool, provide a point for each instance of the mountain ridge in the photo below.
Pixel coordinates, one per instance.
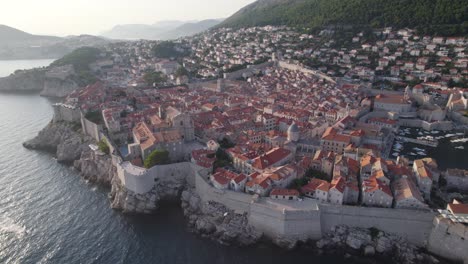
(430, 16)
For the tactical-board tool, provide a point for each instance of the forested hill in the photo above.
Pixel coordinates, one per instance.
(445, 17)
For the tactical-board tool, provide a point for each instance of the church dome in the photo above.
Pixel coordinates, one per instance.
(293, 128)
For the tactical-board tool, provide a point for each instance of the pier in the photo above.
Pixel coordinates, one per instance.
(423, 142)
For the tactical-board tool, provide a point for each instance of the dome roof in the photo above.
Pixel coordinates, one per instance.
(293, 128)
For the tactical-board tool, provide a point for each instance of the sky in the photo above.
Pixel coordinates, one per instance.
(74, 17)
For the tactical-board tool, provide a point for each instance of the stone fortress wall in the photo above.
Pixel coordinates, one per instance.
(67, 113)
(286, 220)
(413, 225)
(449, 240)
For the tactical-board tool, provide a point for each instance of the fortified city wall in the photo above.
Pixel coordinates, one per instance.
(449, 240)
(413, 225)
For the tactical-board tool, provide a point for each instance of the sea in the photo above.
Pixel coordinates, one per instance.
(49, 214)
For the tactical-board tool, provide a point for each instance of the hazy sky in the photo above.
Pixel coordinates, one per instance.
(67, 17)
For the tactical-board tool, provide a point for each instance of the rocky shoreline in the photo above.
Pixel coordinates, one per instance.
(211, 220)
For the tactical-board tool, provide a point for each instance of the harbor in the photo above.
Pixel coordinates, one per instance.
(448, 148)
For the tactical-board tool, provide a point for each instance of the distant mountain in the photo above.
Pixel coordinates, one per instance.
(162, 30)
(429, 16)
(10, 36)
(16, 44)
(189, 29)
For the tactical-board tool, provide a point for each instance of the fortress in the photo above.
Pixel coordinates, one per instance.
(282, 220)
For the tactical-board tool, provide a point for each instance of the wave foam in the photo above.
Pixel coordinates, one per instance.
(7, 225)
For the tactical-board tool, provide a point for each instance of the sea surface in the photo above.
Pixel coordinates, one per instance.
(8, 67)
(49, 214)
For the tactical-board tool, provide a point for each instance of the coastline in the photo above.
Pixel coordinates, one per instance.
(211, 219)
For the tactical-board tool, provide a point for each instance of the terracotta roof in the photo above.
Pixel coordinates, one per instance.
(458, 208)
(316, 184)
(270, 158)
(289, 192)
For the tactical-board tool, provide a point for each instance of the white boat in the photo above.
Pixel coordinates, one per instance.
(413, 154)
(460, 140)
(460, 147)
(450, 135)
(396, 154)
(422, 153)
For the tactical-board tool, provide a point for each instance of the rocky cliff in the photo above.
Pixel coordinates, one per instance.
(370, 242)
(24, 81)
(215, 221)
(58, 88)
(95, 167)
(43, 80)
(63, 139)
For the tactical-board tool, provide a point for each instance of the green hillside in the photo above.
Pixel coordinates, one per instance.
(446, 17)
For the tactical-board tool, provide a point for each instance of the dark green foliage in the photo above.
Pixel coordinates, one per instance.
(311, 173)
(299, 183)
(94, 116)
(157, 157)
(166, 49)
(222, 159)
(441, 17)
(182, 71)
(226, 144)
(103, 146)
(79, 58)
(154, 78)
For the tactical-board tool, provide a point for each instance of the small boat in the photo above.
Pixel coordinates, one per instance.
(413, 154)
(395, 154)
(460, 140)
(460, 147)
(422, 153)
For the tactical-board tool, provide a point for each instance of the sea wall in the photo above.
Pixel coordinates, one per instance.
(236, 201)
(413, 225)
(449, 240)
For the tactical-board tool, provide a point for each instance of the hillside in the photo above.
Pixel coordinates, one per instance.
(446, 17)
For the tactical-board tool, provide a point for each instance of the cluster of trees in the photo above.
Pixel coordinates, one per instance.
(154, 78)
(441, 17)
(166, 49)
(310, 174)
(80, 58)
(157, 157)
(94, 116)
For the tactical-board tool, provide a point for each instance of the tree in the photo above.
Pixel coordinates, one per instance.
(181, 71)
(154, 78)
(166, 49)
(157, 157)
(103, 146)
